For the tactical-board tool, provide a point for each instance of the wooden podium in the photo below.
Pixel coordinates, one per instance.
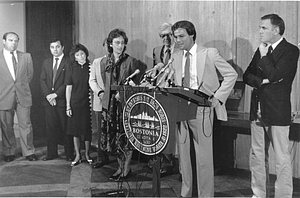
(178, 103)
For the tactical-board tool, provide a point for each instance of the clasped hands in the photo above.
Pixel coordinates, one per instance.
(51, 99)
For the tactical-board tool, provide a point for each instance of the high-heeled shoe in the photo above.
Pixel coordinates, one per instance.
(124, 176)
(115, 177)
(89, 159)
(75, 163)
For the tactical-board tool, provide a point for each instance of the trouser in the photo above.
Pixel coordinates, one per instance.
(261, 137)
(200, 130)
(25, 130)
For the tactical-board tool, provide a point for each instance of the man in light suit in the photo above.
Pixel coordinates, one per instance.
(97, 85)
(196, 68)
(54, 101)
(16, 71)
(271, 73)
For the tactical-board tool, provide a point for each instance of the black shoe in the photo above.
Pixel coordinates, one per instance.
(49, 158)
(9, 158)
(31, 157)
(100, 164)
(124, 177)
(76, 163)
(115, 177)
(165, 171)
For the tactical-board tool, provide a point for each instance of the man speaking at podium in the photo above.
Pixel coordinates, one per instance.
(196, 68)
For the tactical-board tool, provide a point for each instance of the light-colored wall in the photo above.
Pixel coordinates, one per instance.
(230, 26)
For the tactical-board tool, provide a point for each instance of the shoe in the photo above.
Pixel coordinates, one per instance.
(9, 158)
(76, 163)
(124, 177)
(166, 171)
(89, 160)
(31, 157)
(115, 177)
(100, 164)
(69, 159)
(49, 158)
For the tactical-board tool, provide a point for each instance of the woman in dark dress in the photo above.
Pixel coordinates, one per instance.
(78, 102)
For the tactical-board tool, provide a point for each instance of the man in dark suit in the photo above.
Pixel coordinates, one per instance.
(54, 100)
(271, 73)
(16, 71)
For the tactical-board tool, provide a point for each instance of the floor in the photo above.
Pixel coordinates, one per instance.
(56, 178)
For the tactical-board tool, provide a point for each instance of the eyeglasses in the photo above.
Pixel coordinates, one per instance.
(119, 42)
(163, 35)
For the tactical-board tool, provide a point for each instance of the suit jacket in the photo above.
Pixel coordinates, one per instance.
(20, 86)
(208, 61)
(47, 84)
(280, 68)
(96, 84)
(158, 55)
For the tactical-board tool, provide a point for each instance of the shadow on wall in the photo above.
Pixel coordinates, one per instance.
(236, 99)
(137, 49)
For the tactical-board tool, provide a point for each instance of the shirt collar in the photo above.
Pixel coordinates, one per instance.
(274, 45)
(192, 51)
(8, 52)
(59, 58)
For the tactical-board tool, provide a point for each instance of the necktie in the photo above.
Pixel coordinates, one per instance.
(186, 78)
(167, 56)
(55, 69)
(270, 50)
(14, 61)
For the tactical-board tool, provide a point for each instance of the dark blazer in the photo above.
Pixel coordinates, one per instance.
(280, 68)
(20, 86)
(127, 67)
(46, 81)
(158, 55)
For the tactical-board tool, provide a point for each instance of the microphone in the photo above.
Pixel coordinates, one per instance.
(136, 72)
(164, 68)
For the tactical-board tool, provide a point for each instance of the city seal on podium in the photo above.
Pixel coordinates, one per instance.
(146, 123)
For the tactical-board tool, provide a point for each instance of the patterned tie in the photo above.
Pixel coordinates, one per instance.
(167, 56)
(186, 78)
(14, 61)
(55, 70)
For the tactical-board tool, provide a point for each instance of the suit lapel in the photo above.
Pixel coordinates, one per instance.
(19, 63)
(276, 54)
(60, 68)
(201, 60)
(3, 64)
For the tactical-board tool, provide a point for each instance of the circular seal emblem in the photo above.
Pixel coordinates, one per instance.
(146, 123)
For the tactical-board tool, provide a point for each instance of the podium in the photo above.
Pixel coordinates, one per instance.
(150, 117)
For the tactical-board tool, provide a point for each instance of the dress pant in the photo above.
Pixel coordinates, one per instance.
(199, 131)
(56, 123)
(24, 126)
(102, 155)
(261, 137)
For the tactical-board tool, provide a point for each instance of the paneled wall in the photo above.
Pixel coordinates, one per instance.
(230, 26)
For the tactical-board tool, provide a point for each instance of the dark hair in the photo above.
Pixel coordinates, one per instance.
(76, 48)
(187, 25)
(115, 33)
(7, 33)
(276, 21)
(54, 40)
(104, 42)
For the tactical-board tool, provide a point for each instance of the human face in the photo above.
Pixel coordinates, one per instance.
(56, 49)
(183, 39)
(11, 42)
(118, 45)
(80, 57)
(268, 32)
(166, 38)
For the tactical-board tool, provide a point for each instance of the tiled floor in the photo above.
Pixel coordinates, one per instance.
(57, 178)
